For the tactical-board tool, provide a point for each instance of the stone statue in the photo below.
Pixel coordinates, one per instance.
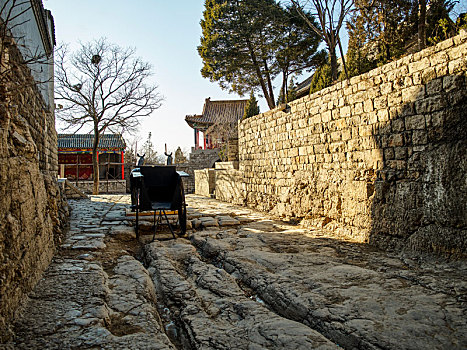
(179, 156)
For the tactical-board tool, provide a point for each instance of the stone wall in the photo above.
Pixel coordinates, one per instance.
(32, 209)
(229, 185)
(188, 182)
(199, 159)
(205, 181)
(381, 157)
(232, 149)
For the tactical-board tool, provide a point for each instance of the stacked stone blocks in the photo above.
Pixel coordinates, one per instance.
(199, 159)
(205, 182)
(381, 156)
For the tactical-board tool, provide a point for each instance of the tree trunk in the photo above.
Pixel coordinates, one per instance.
(342, 57)
(269, 100)
(95, 164)
(284, 88)
(332, 54)
(421, 24)
(271, 91)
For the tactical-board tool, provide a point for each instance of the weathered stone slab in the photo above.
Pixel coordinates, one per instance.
(216, 312)
(123, 233)
(77, 305)
(208, 221)
(225, 220)
(355, 296)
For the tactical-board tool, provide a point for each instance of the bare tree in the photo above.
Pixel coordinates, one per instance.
(104, 86)
(331, 15)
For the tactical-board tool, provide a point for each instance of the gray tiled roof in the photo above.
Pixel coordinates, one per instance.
(86, 140)
(224, 111)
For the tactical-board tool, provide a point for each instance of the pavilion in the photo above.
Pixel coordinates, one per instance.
(215, 114)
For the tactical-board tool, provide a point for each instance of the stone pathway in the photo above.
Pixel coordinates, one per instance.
(239, 280)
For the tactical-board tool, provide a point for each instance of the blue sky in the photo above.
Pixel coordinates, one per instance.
(165, 34)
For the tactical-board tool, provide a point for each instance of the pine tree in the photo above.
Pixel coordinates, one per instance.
(361, 50)
(246, 44)
(439, 24)
(180, 157)
(289, 94)
(380, 30)
(252, 107)
(237, 46)
(321, 79)
(298, 50)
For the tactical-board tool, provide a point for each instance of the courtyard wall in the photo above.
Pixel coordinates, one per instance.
(381, 157)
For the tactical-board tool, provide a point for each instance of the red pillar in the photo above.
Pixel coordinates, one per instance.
(123, 167)
(196, 138)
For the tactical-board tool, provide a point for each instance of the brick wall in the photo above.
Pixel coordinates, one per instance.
(381, 157)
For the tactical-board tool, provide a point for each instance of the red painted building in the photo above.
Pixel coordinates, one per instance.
(75, 156)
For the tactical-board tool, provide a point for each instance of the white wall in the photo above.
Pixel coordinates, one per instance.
(25, 30)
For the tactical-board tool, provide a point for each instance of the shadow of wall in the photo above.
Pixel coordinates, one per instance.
(420, 187)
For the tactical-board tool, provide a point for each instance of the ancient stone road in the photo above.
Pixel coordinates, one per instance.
(239, 280)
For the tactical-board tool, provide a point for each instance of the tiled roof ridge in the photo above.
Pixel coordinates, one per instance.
(109, 140)
(218, 111)
(217, 101)
(91, 135)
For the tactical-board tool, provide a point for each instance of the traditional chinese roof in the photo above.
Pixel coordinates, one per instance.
(42, 17)
(85, 141)
(303, 88)
(223, 111)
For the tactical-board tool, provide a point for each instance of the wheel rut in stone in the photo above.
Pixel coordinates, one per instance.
(355, 296)
(250, 283)
(212, 310)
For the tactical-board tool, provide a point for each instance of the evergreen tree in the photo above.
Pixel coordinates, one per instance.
(381, 30)
(180, 157)
(247, 43)
(298, 49)
(237, 45)
(321, 79)
(439, 25)
(289, 94)
(361, 47)
(251, 108)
